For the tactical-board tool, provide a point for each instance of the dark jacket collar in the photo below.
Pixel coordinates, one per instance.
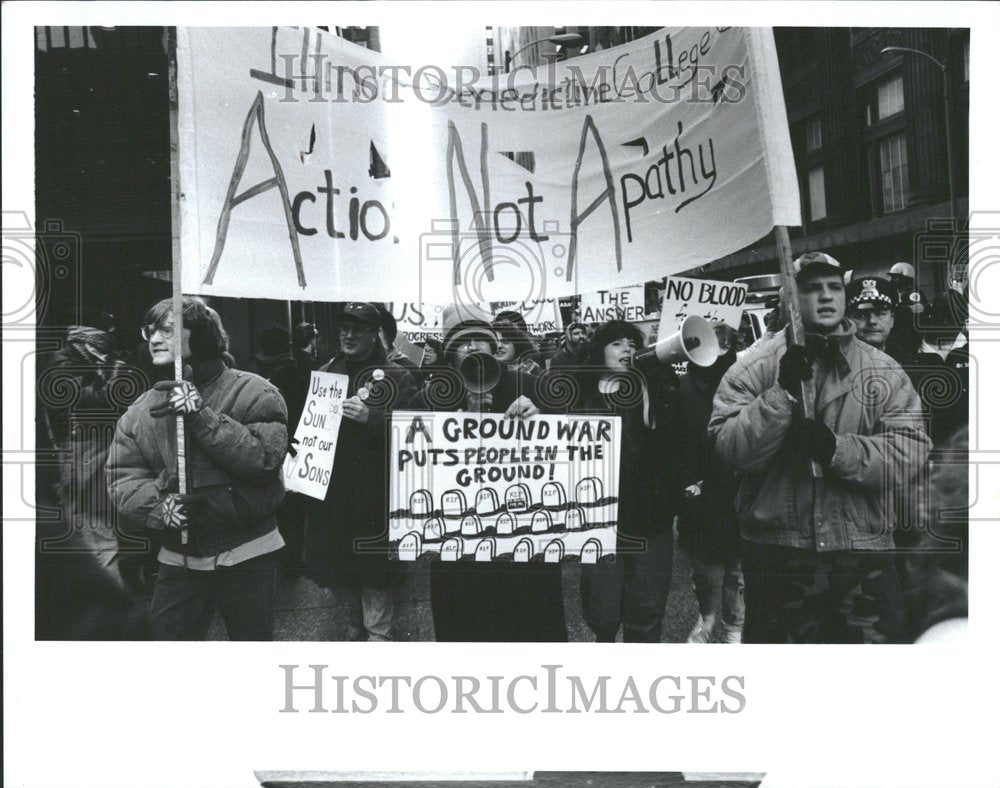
(207, 372)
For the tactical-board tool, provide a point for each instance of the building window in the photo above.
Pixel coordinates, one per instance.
(965, 60)
(890, 98)
(895, 179)
(814, 135)
(817, 194)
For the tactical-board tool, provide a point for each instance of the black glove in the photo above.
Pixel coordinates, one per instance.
(795, 368)
(181, 399)
(813, 439)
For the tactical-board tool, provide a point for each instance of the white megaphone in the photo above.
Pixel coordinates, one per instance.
(695, 342)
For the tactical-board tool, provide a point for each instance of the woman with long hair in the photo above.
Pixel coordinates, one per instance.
(630, 591)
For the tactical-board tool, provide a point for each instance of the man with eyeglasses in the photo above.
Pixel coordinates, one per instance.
(346, 538)
(219, 540)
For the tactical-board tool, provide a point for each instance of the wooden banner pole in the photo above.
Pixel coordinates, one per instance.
(170, 44)
(807, 396)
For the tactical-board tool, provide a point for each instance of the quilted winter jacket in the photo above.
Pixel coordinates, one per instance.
(881, 444)
(235, 449)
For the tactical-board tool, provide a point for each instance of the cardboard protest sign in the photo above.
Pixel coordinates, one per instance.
(481, 487)
(717, 301)
(315, 169)
(623, 303)
(310, 470)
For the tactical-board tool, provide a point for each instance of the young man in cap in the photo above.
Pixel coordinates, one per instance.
(346, 546)
(814, 561)
(870, 302)
(220, 539)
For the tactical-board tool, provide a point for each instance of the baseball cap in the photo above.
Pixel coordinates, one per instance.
(870, 291)
(366, 313)
(817, 262)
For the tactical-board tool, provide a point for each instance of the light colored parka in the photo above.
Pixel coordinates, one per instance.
(867, 400)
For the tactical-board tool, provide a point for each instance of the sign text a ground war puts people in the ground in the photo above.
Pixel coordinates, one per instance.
(482, 487)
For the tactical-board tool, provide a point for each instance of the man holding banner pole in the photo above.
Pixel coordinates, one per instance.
(814, 544)
(219, 532)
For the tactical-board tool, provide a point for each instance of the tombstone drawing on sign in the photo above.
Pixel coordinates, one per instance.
(471, 525)
(590, 552)
(554, 552)
(409, 547)
(453, 502)
(575, 519)
(541, 521)
(517, 498)
(523, 551)
(506, 524)
(434, 528)
(553, 494)
(421, 502)
(589, 490)
(487, 501)
(452, 549)
(486, 550)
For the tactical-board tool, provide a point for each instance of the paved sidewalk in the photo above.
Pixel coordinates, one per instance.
(303, 611)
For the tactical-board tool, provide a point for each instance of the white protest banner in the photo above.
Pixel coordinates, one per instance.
(309, 471)
(315, 169)
(483, 487)
(542, 316)
(712, 300)
(623, 303)
(417, 322)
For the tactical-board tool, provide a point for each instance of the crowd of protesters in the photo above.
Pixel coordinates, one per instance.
(799, 527)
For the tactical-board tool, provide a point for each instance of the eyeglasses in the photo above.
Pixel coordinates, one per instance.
(165, 331)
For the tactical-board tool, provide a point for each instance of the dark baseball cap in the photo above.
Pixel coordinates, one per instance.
(870, 291)
(366, 313)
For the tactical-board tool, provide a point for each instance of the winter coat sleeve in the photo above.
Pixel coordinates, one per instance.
(898, 447)
(749, 418)
(248, 451)
(133, 487)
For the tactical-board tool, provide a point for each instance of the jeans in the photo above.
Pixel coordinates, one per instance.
(630, 591)
(719, 582)
(185, 600)
(370, 612)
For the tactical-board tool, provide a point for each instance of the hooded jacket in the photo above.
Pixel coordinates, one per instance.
(866, 399)
(235, 449)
